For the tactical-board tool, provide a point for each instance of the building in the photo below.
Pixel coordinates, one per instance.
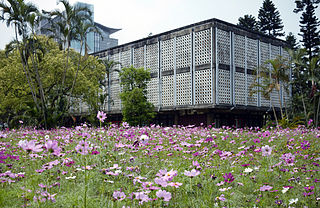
(96, 42)
(201, 73)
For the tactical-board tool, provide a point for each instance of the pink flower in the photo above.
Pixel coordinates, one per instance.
(101, 116)
(175, 184)
(266, 150)
(265, 188)
(82, 147)
(141, 196)
(52, 146)
(118, 195)
(161, 181)
(221, 197)
(30, 146)
(164, 194)
(191, 173)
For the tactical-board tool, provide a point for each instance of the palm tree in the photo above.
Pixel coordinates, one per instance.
(268, 80)
(16, 14)
(64, 24)
(83, 29)
(23, 16)
(109, 68)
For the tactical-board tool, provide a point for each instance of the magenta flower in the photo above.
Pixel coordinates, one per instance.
(30, 146)
(228, 177)
(191, 173)
(101, 116)
(164, 194)
(266, 150)
(118, 195)
(221, 197)
(305, 145)
(175, 184)
(265, 188)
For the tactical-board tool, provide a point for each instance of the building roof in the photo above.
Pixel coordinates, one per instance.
(106, 29)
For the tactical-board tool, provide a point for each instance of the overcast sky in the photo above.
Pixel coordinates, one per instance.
(139, 18)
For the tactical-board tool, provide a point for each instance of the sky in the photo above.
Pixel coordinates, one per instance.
(138, 18)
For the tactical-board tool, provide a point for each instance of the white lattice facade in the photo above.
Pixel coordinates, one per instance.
(208, 65)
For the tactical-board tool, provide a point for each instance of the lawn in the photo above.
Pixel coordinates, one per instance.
(159, 167)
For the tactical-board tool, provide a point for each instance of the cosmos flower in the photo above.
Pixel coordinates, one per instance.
(265, 188)
(164, 194)
(30, 146)
(52, 147)
(118, 195)
(266, 150)
(228, 177)
(82, 147)
(101, 116)
(191, 173)
(144, 139)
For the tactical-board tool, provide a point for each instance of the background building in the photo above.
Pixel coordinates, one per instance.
(96, 42)
(201, 73)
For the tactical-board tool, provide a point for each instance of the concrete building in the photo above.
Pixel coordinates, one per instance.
(201, 73)
(96, 42)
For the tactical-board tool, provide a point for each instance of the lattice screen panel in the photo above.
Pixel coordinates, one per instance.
(184, 89)
(264, 52)
(152, 57)
(138, 57)
(125, 58)
(275, 51)
(223, 47)
(114, 96)
(167, 95)
(275, 98)
(167, 55)
(287, 94)
(203, 89)
(153, 91)
(264, 101)
(252, 53)
(240, 88)
(183, 54)
(202, 47)
(114, 74)
(239, 50)
(224, 93)
(252, 100)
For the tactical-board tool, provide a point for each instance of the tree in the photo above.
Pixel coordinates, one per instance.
(248, 22)
(136, 109)
(16, 101)
(64, 25)
(270, 22)
(291, 41)
(309, 26)
(109, 68)
(267, 80)
(23, 16)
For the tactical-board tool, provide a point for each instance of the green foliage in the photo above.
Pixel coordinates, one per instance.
(17, 102)
(309, 26)
(270, 22)
(248, 22)
(291, 41)
(136, 109)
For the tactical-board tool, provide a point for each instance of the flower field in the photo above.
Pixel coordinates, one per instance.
(159, 167)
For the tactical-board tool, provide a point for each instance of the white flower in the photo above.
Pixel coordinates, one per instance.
(71, 177)
(248, 170)
(291, 201)
(144, 139)
(284, 190)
